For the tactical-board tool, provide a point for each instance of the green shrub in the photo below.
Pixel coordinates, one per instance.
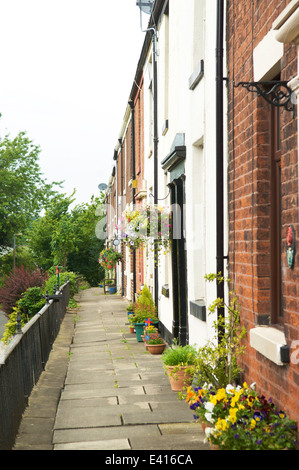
(63, 277)
(179, 355)
(32, 301)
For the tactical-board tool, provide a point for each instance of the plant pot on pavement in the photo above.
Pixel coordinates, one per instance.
(179, 377)
(156, 348)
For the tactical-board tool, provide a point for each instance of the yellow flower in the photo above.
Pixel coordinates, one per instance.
(252, 424)
(213, 400)
(221, 425)
(232, 415)
(245, 385)
(221, 394)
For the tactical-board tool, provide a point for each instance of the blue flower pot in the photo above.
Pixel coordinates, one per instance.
(112, 290)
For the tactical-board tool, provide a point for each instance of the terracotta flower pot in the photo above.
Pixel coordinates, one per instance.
(179, 379)
(156, 348)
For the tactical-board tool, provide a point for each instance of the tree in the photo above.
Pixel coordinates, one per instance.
(84, 257)
(67, 237)
(23, 191)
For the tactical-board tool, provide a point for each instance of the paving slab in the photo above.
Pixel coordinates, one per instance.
(114, 395)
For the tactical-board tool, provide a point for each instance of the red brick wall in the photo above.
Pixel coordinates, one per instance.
(125, 174)
(249, 196)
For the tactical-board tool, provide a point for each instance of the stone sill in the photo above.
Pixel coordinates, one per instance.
(269, 342)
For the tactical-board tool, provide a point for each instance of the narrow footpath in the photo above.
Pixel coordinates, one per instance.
(101, 390)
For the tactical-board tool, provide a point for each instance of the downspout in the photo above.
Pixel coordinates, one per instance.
(131, 103)
(155, 80)
(122, 209)
(219, 154)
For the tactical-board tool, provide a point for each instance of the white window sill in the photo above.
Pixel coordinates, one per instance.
(268, 341)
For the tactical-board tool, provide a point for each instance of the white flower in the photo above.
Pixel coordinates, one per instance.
(230, 388)
(209, 417)
(209, 407)
(208, 431)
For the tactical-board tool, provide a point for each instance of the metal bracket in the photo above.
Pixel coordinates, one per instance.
(276, 93)
(54, 296)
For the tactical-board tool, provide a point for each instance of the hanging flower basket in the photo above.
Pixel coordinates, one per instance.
(146, 226)
(109, 258)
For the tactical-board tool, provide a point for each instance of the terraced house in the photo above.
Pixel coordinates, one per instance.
(211, 133)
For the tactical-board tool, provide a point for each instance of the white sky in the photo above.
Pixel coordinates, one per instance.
(66, 71)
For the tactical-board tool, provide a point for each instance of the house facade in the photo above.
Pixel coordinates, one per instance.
(262, 39)
(206, 137)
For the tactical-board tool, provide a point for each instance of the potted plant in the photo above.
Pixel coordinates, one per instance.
(144, 312)
(179, 362)
(130, 310)
(131, 321)
(217, 361)
(238, 418)
(155, 344)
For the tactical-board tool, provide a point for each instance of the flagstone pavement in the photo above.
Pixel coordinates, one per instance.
(101, 389)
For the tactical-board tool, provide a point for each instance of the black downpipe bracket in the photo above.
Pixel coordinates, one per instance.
(219, 153)
(131, 103)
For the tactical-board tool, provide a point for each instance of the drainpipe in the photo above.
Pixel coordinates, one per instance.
(219, 153)
(155, 82)
(121, 209)
(131, 103)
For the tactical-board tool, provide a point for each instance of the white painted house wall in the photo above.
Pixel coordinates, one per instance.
(185, 38)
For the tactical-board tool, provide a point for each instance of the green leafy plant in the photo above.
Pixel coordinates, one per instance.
(178, 355)
(30, 303)
(217, 360)
(144, 307)
(33, 300)
(109, 258)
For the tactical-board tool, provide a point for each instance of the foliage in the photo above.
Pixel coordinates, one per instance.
(217, 360)
(67, 238)
(23, 191)
(129, 308)
(16, 283)
(109, 258)
(240, 419)
(153, 338)
(144, 307)
(23, 257)
(33, 300)
(150, 329)
(63, 278)
(178, 355)
(28, 305)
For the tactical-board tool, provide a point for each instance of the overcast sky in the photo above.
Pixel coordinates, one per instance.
(66, 71)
